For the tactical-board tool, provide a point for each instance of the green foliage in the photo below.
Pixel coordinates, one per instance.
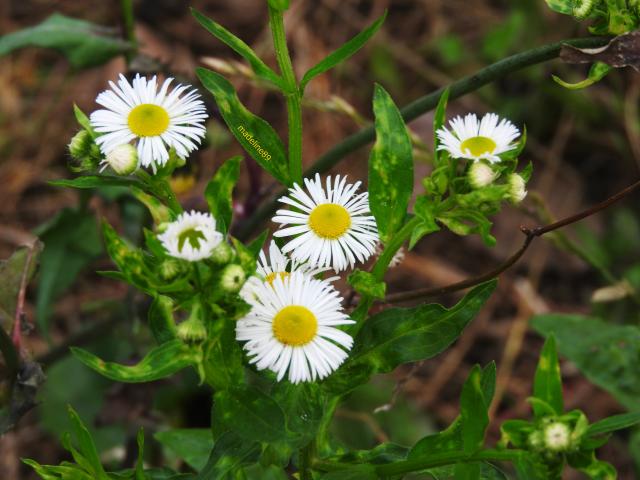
(342, 53)
(365, 283)
(260, 136)
(228, 456)
(473, 413)
(390, 167)
(219, 193)
(400, 335)
(279, 5)
(241, 48)
(162, 361)
(547, 384)
(83, 43)
(597, 72)
(22, 262)
(193, 445)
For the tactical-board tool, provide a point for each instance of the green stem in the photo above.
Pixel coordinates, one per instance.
(306, 461)
(129, 27)
(291, 92)
(424, 104)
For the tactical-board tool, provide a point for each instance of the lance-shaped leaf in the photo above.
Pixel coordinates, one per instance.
(547, 383)
(473, 412)
(83, 43)
(390, 166)
(611, 424)
(95, 181)
(219, 193)
(256, 136)
(342, 53)
(86, 445)
(597, 72)
(163, 361)
(438, 122)
(251, 414)
(401, 335)
(241, 48)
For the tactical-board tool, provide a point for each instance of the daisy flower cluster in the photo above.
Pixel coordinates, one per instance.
(292, 328)
(156, 118)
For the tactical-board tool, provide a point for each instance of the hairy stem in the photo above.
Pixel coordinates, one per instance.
(291, 92)
(424, 104)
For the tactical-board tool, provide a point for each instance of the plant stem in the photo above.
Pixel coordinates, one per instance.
(424, 104)
(291, 92)
(129, 26)
(306, 460)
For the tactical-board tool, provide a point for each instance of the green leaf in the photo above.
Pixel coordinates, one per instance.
(561, 6)
(257, 243)
(139, 471)
(162, 361)
(303, 405)
(366, 283)
(449, 440)
(342, 53)
(400, 335)
(280, 5)
(71, 242)
(228, 456)
(193, 445)
(597, 72)
(357, 472)
(467, 471)
(159, 212)
(390, 167)
(547, 383)
(223, 357)
(473, 411)
(255, 135)
(241, 48)
(611, 424)
(587, 463)
(251, 414)
(489, 374)
(86, 445)
(219, 193)
(96, 181)
(438, 122)
(161, 319)
(605, 353)
(466, 221)
(83, 43)
(424, 209)
(83, 120)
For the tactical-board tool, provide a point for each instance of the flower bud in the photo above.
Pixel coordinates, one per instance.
(193, 328)
(480, 175)
(557, 437)
(171, 268)
(80, 145)
(232, 278)
(123, 159)
(582, 8)
(222, 254)
(517, 190)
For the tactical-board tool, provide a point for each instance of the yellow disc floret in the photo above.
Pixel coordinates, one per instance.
(295, 325)
(329, 220)
(478, 146)
(148, 120)
(272, 276)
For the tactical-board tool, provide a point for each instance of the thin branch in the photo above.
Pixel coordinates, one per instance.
(16, 332)
(530, 235)
(420, 106)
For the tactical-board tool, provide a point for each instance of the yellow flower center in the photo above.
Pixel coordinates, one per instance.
(478, 146)
(329, 220)
(272, 277)
(192, 236)
(148, 120)
(295, 325)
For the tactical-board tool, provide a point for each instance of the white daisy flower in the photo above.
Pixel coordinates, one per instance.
(156, 120)
(291, 327)
(333, 227)
(476, 140)
(192, 236)
(278, 262)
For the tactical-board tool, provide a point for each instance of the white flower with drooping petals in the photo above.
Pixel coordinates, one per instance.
(333, 228)
(291, 327)
(155, 120)
(192, 236)
(478, 139)
(517, 188)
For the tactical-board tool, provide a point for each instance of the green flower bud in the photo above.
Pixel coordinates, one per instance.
(123, 159)
(222, 254)
(171, 268)
(80, 145)
(536, 440)
(557, 437)
(582, 8)
(232, 278)
(193, 329)
(517, 188)
(480, 175)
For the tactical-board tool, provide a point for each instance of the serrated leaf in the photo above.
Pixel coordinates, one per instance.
(342, 53)
(365, 283)
(251, 414)
(161, 362)
(219, 193)
(390, 167)
(400, 335)
(547, 383)
(193, 445)
(473, 412)
(261, 140)
(83, 43)
(240, 47)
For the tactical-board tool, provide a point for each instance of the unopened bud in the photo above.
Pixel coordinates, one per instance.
(171, 268)
(517, 188)
(232, 278)
(222, 254)
(123, 159)
(80, 145)
(557, 437)
(480, 175)
(193, 328)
